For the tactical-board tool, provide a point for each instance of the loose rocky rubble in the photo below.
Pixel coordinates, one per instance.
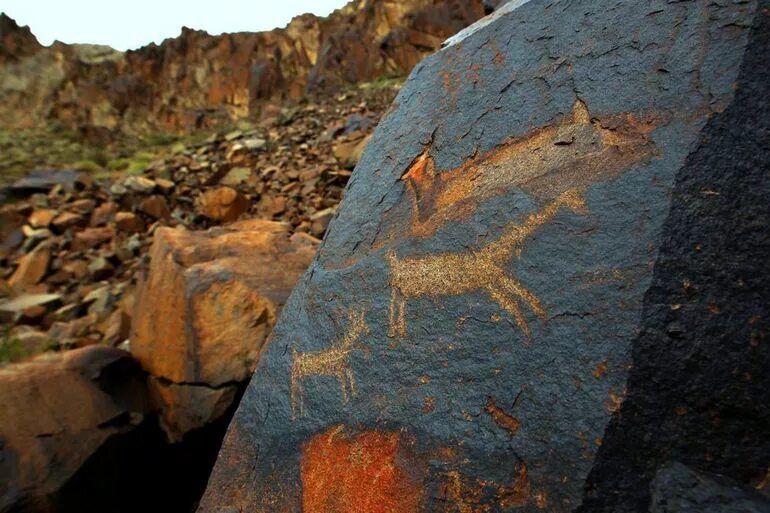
(71, 246)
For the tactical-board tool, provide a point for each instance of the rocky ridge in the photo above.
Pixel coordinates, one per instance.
(198, 81)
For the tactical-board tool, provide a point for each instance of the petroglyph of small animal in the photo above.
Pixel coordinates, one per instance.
(333, 361)
(484, 269)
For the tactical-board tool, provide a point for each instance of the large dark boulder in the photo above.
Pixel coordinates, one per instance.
(549, 278)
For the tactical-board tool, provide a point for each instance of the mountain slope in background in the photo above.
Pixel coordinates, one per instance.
(198, 81)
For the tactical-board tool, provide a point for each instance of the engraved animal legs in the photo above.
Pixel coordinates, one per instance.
(510, 306)
(514, 288)
(397, 321)
(351, 384)
(297, 399)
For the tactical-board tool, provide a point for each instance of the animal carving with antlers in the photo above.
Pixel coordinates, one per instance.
(333, 361)
(484, 269)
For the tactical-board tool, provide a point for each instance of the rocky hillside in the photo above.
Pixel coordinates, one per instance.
(197, 81)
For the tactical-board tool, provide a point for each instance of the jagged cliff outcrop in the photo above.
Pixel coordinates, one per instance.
(197, 80)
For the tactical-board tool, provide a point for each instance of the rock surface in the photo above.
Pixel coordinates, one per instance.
(56, 411)
(677, 489)
(548, 278)
(205, 309)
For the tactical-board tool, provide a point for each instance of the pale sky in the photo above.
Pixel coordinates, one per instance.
(129, 24)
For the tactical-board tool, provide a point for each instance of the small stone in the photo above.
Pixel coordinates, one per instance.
(35, 235)
(15, 308)
(82, 206)
(133, 244)
(32, 268)
(222, 204)
(98, 300)
(66, 220)
(118, 189)
(270, 206)
(77, 268)
(100, 268)
(233, 135)
(155, 207)
(116, 328)
(254, 143)
(92, 237)
(165, 186)
(41, 218)
(236, 176)
(139, 184)
(129, 222)
(103, 214)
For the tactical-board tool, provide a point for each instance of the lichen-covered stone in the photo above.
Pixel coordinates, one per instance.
(548, 278)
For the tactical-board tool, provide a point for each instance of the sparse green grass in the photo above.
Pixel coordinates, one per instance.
(384, 83)
(23, 150)
(11, 349)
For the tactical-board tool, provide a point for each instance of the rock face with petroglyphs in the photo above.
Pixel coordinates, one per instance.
(546, 286)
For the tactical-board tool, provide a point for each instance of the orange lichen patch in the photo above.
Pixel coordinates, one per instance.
(571, 154)
(614, 402)
(357, 474)
(600, 370)
(465, 495)
(462, 498)
(518, 493)
(763, 484)
(429, 404)
(503, 419)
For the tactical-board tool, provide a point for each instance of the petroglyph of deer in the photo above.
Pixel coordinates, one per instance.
(333, 361)
(484, 269)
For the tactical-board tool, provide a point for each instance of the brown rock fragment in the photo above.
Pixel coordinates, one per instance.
(221, 293)
(66, 220)
(41, 218)
(222, 204)
(129, 222)
(155, 207)
(92, 237)
(32, 267)
(103, 214)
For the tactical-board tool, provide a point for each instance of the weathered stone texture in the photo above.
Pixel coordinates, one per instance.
(205, 309)
(548, 278)
(56, 411)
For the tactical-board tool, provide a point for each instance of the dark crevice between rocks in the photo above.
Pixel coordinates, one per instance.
(226, 384)
(140, 471)
(697, 391)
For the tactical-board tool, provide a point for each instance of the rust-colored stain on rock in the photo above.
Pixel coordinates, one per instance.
(362, 473)
(506, 421)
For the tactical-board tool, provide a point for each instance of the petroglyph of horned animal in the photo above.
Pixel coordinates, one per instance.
(573, 153)
(484, 269)
(333, 361)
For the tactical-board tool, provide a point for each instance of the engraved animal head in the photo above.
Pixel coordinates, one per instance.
(571, 154)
